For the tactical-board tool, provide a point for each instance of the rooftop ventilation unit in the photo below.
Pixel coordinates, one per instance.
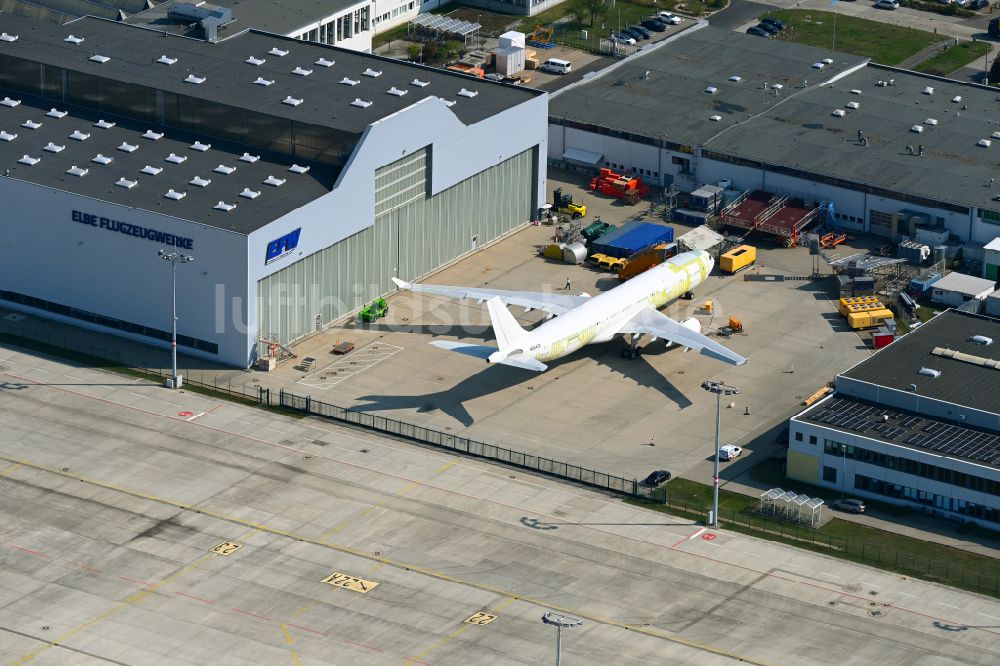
(828, 61)
(223, 206)
(853, 105)
(818, 65)
(855, 91)
(53, 148)
(152, 136)
(223, 169)
(995, 135)
(77, 135)
(150, 170)
(99, 58)
(29, 160)
(917, 128)
(274, 182)
(127, 147)
(302, 71)
(984, 143)
(261, 81)
(195, 79)
(323, 62)
(776, 86)
(295, 168)
(256, 62)
(715, 119)
(982, 340)
(7, 136)
(735, 79)
(374, 73)
(247, 157)
(247, 193)
(31, 124)
(360, 103)
(448, 102)
(396, 91)
(292, 101)
(73, 39)
(56, 113)
(711, 90)
(200, 147)
(208, 17)
(174, 194)
(198, 181)
(931, 121)
(281, 53)
(468, 93)
(77, 171)
(174, 158)
(956, 99)
(420, 84)
(840, 113)
(929, 90)
(104, 124)
(7, 101)
(349, 81)
(166, 60)
(4, 37)
(126, 183)
(102, 159)
(929, 372)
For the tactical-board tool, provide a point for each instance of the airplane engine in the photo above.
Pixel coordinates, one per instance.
(690, 324)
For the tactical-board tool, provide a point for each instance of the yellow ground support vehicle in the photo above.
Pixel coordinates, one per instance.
(737, 259)
(563, 203)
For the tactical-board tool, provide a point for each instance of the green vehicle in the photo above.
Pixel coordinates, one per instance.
(375, 310)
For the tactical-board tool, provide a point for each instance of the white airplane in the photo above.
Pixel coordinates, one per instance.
(628, 309)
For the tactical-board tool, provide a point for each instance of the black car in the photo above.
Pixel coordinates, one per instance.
(768, 28)
(642, 31)
(978, 4)
(771, 21)
(757, 32)
(657, 478)
(660, 26)
(634, 34)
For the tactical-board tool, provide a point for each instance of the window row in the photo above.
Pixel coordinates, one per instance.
(894, 490)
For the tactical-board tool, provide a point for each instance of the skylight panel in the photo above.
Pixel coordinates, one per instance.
(150, 170)
(99, 58)
(711, 90)
(77, 135)
(361, 103)
(198, 181)
(126, 183)
(166, 60)
(261, 81)
(175, 195)
(152, 136)
(984, 143)
(29, 160)
(295, 168)
(222, 168)
(102, 159)
(278, 52)
(247, 193)
(4, 37)
(195, 79)
(77, 171)
(302, 71)
(448, 102)
(247, 157)
(7, 136)
(73, 39)
(715, 118)
(274, 182)
(374, 73)
(420, 84)
(840, 113)
(31, 124)
(396, 91)
(7, 101)
(931, 121)
(104, 124)
(853, 105)
(347, 81)
(53, 148)
(256, 62)
(200, 147)
(292, 101)
(735, 79)
(175, 158)
(323, 62)
(222, 205)
(56, 113)
(127, 147)
(468, 93)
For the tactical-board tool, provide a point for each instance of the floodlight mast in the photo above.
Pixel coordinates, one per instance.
(560, 621)
(174, 257)
(719, 389)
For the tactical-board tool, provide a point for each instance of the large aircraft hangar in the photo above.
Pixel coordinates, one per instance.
(299, 177)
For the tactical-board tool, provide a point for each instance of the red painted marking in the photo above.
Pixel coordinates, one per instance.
(367, 647)
(344, 463)
(246, 612)
(83, 566)
(29, 551)
(137, 582)
(708, 537)
(185, 413)
(214, 408)
(191, 596)
(690, 536)
(321, 633)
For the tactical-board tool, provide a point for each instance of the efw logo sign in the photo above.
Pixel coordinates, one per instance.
(283, 246)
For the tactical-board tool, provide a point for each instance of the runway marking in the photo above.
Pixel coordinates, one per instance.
(312, 631)
(227, 548)
(827, 573)
(288, 637)
(481, 618)
(194, 416)
(306, 607)
(696, 534)
(350, 365)
(251, 614)
(869, 584)
(72, 377)
(191, 596)
(367, 647)
(84, 566)
(989, 616)
(138, 395)
(949, 605)
(10, 468)
(353, 583)
(435, 646)
(908, 594)
(137, 582)
(28, 550)
(683, 539)
(295, 658)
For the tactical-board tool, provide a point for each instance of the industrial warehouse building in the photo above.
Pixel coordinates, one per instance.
(888, 147)
(301, 177)
(916, 424)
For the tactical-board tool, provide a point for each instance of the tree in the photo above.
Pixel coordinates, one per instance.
(995, 71)
(413, 51)
(588, 9)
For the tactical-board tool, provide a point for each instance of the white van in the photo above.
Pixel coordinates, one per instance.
(556, 66)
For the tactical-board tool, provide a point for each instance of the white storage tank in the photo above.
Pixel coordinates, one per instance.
(575, 253)
(512, 38)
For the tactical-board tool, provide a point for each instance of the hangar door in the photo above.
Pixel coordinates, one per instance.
(413, 234)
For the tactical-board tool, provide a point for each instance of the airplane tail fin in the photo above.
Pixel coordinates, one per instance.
(505, 326)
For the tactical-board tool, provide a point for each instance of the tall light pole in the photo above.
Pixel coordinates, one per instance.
(719, 389)
(560, 621)
(174, 258)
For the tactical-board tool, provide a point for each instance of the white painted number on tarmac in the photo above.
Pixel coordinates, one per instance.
(350, 582)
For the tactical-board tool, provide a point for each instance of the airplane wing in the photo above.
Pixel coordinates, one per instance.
(556, 304)
(652, 322)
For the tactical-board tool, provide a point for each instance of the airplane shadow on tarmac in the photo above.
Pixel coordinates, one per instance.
(489, 379)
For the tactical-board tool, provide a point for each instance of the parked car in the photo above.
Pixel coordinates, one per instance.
(641, 30)
(634, 34)
(667, 17)
(977, 4)
(777, 23)
(768, 28)
(849, 505)
(657, 478)
(656, 25)
(757, 32)
(729, 451)
(886, 4)
(622, 39)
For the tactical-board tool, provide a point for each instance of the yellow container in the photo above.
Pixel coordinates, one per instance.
(868, 319)
(709, 306)
(737, 259)
(555, 251)
(850, 303)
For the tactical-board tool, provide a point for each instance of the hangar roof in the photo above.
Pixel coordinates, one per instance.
(961, 382)
(130, 152)
(796, 127)
(330, 95)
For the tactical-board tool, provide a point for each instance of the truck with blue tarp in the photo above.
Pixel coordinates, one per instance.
(631, 238)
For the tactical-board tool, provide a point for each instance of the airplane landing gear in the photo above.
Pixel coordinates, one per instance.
(632, 351)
